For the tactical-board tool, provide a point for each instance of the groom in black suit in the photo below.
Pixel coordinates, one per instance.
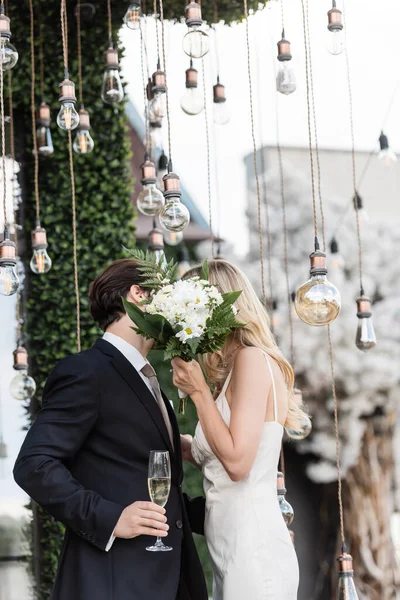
(85, 460)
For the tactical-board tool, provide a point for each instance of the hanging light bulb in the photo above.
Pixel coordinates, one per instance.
(285, 77)
(83, 143)
(43, 134)
(23, 387)
(346, 587)
(9, 54)
(112, 91)
(150, 200)
(196, 42)
(162, 170)
(156, 244)
(156, 136)
(359, 206)
(335, 27)
(67, 118)
(386, 155)
(174, 216)
(306, 424)
(40, 261)
(317, 301)
(183, 260)
(221, 111)
(336, 260)
(132, 16)
(173, 238)
(9, 281)
(192, 102)
(365, 338)
(286, 509)
(158, 104)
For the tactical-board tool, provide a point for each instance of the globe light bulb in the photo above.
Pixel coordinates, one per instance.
(67, 118)
(8, 52)
(221, 109)
(303, 432)
(346, 586)
(192, 102)
(44, 141)
(150, 200)
(365, 337)
(83, 143)
(158, 106)
(286, 509)
(335, 42)
(132, 17)
(156, 244)
(112, 91)
(317, 301)
(41, 261)
(174, 216)
(386, 154)
(285, 77)
(173, 238)
(23, 387)
(196, 43)
(9, 282)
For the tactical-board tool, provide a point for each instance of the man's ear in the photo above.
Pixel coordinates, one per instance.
(136, 294)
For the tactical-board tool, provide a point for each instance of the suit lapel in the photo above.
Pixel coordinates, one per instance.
(140, 389)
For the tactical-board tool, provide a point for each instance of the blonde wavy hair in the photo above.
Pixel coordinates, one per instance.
(256, 333)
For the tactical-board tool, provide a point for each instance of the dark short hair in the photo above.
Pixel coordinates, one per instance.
(109, 287)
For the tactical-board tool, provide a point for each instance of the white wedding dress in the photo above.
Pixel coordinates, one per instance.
(251, 550)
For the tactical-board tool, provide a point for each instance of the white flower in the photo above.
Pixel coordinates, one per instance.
(234, 310)
(189, 331)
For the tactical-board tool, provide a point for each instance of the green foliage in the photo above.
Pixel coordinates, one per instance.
(103, 199)
(154, 269)
(221, 10)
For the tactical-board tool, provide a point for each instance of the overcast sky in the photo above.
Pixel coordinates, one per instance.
(372, 41)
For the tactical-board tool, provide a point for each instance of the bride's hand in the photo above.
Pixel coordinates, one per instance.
(186, 444)
(188, 377)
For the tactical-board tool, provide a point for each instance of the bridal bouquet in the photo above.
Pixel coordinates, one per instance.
(185, 317)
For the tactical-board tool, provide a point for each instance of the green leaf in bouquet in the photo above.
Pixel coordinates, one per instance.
(204, 271)
(152, 269)
(172, 349)
(140, 320)
(230, 298)
(193, 344)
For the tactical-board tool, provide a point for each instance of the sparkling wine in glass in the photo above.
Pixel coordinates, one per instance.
(159, 481)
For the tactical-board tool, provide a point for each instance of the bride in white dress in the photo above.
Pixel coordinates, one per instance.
(237, 445)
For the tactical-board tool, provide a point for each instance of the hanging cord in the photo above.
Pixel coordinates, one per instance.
(64, 30)
(157, 33)
(314, 118)
(109, 21)
(330, 343)
(353, 158)
(166, 85)
(210, 219)
(309, 125)
(282, 16)
(260, 232)
(264, 190)
(33, 113)
(3, 141)
(144, 81)
(79, 47)
(216, 50)
(41, 62)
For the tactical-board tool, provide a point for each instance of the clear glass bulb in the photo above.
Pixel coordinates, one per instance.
(174, 216)
(173, 238)
(158, 106)
(346, 587)
(23, 387)
(335, 41)
(83, 143)
(221, 113)
(112, 91)
(317, 301)
(192, 102)
(44, 141)
(40, 261)
(387, 156)
(67, 118)
(9, 282)
(196, 43)
(132, 17)
(285, 79)
(365, 338)
(150, 200)
(305, 430)
(9, 54)
(286, 509)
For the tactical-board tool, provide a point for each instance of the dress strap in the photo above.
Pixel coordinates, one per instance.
(227, 382)
(273, 388)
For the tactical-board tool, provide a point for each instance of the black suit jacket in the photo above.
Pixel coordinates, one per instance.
(85, 459)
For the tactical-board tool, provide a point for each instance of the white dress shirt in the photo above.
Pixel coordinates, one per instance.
(138, 361)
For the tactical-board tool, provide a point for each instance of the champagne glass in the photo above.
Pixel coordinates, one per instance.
(159, 481)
